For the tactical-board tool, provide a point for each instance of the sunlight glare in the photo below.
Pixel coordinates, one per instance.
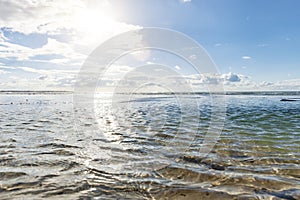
(94, 20)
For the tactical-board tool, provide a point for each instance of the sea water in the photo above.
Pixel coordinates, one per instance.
(148, 147)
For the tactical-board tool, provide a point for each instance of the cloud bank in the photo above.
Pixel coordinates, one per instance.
(50, 37)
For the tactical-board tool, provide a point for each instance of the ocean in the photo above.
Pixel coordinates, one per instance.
(148, 146)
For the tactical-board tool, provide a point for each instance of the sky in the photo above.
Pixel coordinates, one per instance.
(254, 44)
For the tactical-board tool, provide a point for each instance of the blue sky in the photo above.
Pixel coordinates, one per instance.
(266, 31)
(43, 45)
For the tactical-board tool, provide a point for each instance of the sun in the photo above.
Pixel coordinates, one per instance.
(92, 25)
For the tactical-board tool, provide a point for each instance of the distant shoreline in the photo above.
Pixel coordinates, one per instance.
(29, 92)
(53, 92)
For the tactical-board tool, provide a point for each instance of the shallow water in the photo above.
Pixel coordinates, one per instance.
(147, 147)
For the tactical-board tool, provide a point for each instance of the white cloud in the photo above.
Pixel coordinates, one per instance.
(34, 16)
(291, 84)
(53, 47)
(177, 67)
(51, 17)
(117, 76)
(2, 66)
(63, 73)
(2, 37)
(262, 45)
(3, 72)
(246, 57)
(78, 26)
(216, 78)
(78, 20)
(73, 30)
(36, 79)
(193, 57)
(231, 77)
(185, 1)
(197, 81)
(236, 82)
